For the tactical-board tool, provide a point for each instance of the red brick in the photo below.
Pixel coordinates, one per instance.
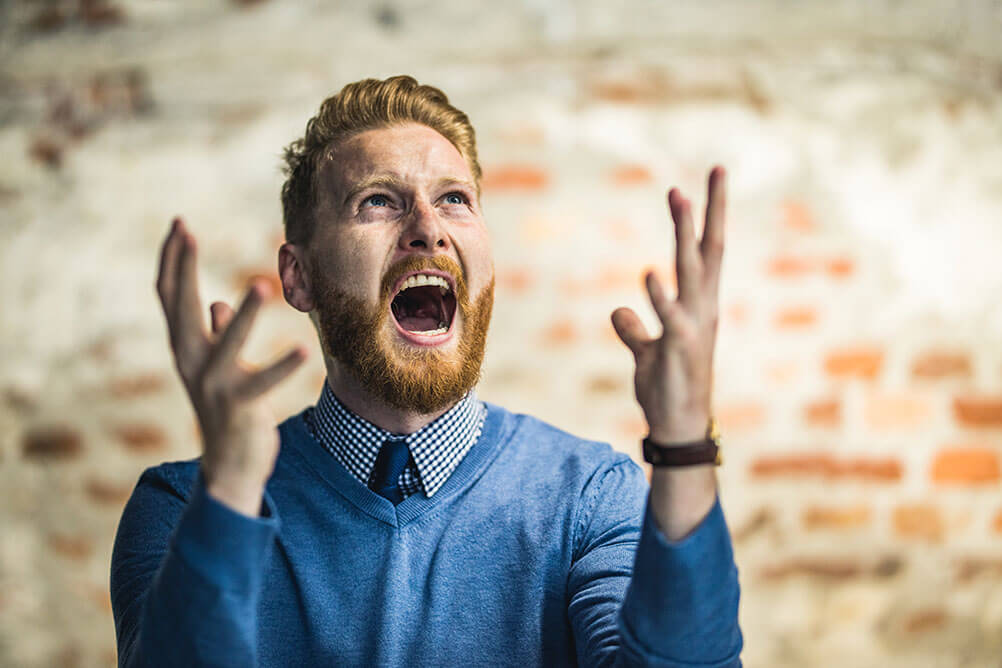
(795, 317)
(528, 178)
(633, 428)
(966, 466)
(789, 266)
(47, 151)
(935, 365)
(919, 520)
(99, 13)
(739, 416)
(807, 465)
(797, 217)
(522, 133)
(129, 387)
(761, 520)
(826, 569)
(243, 278)
(782, 372)
(984, 411)
(74, 548)
(846, 517)
(605, 384)
(52, 442)
(516, 280)
(48, 19)
(631, 175)
(924, 621)
(560, 332)
(897, 411)
(101, 597)
(839, 267)
(735, 314)
(861, 362)
(21, 399)
(969, 568)
(619, 229)
(636, 90)
(141, 437)
(824, 413)
(626, 277)
(107, 493)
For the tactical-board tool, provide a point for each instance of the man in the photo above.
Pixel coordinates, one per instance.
(401, 521)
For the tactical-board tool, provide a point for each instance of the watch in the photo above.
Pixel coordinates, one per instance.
(706, 451)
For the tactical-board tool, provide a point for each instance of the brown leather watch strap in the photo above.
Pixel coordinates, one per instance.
(690, 454)
(706, 451)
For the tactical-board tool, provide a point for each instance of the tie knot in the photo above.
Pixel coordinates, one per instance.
(390, 463)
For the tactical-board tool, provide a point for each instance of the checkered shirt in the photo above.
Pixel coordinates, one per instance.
(436, 449)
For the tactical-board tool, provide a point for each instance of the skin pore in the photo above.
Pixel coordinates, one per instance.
(394, 201)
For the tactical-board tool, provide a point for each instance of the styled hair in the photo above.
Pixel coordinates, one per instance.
(368, 104)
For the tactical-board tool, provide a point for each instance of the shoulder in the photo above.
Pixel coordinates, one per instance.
(542, 443)
(175, 478)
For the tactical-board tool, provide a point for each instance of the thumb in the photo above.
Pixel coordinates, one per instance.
(629, 329)
(221, 315)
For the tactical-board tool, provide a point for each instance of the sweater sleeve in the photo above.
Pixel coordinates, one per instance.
(186, 577)
(638, 599)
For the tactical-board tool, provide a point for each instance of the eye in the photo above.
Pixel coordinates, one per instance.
(376, 200)
(455, 198)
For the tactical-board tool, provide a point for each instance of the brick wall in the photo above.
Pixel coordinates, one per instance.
(858, 371)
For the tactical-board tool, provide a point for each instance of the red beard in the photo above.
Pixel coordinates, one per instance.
(424, 380)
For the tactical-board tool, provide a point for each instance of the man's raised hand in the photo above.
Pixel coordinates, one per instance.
(675, 370)
(240, 439)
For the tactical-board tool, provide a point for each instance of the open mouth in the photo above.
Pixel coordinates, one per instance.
(424, 304)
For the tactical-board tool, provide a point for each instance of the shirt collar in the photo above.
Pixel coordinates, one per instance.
(437, 448)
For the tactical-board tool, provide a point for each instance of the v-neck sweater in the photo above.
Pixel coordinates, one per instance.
(540, 549)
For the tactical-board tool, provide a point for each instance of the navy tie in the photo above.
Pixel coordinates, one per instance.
(390, 463)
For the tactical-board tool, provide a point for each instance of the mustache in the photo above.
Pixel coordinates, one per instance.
(417, 263)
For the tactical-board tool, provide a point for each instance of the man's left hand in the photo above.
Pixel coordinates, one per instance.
(674, 373)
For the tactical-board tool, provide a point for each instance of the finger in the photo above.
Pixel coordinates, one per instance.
(188, 306)
(233, 337)
(666, 308)
(630, 329)
(221, 314)
(166, 276)
(687, 263)
(260, 382)
(711, 246)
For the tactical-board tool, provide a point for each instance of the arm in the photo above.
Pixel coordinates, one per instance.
(186, 577)
(674, 373)
(682, 603)
(639, 599)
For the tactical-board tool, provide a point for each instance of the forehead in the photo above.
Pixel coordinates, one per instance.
(412, 152)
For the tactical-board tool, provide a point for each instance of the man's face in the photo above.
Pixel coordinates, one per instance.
(401, 266)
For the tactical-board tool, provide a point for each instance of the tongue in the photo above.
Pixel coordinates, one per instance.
(418, 323)
(417, 310)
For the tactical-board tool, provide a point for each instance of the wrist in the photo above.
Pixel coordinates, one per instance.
(689, 431)
(238, 493)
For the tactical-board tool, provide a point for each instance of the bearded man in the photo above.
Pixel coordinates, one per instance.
(400, 520)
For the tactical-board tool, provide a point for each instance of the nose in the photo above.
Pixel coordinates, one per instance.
(424, 229)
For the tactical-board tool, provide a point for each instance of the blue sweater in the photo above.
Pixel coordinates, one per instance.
(539, 550)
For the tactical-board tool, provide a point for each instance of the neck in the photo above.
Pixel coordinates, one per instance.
(364, 404)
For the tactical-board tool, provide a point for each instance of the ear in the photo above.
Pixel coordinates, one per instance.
(295, 278)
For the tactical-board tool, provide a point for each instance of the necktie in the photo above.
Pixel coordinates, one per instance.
(390, 463)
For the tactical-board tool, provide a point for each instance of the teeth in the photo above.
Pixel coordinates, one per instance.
(425, 279)
(434, 332)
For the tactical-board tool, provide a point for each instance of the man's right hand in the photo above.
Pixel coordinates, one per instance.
(239, 437)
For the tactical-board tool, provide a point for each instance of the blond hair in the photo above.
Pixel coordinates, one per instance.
(364, 105)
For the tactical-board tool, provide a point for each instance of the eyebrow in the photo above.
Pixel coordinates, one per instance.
(393, 182)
